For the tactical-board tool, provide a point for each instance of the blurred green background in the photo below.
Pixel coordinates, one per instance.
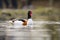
(42, 10)
(40, 13)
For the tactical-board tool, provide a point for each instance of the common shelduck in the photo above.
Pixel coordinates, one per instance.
(24, 22)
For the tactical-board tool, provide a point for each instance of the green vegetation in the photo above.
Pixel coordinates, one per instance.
(40, 13)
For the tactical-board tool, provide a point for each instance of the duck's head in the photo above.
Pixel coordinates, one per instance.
(29, 14)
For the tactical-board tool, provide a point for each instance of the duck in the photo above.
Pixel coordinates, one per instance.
(20, 23)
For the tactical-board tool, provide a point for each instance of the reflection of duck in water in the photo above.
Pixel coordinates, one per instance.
(24, 22)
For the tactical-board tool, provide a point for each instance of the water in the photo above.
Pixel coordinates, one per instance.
(27, 34)
(39, 32)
